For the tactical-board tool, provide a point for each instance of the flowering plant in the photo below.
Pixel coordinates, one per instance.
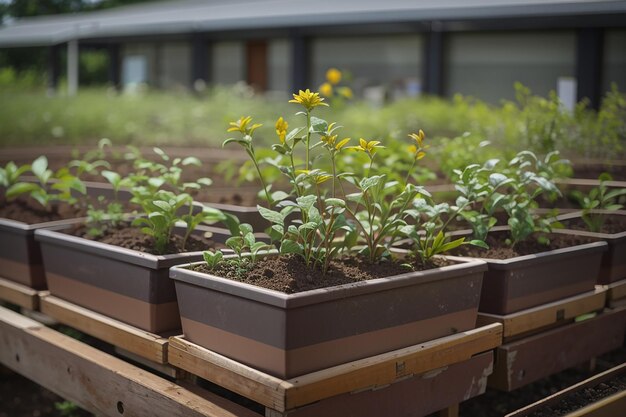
(330, 221)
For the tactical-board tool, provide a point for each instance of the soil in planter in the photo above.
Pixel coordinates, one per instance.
(29, 211)
(498, 249)
(290, 275)
(581, 398)
(129, 237)
(612, 224)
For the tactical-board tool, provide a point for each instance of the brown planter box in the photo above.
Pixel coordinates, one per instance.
(124, 284)
(613, 267)
(515, 284)
(20, 255)
(287, 335)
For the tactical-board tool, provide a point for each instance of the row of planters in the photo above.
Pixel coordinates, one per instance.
(350, 265)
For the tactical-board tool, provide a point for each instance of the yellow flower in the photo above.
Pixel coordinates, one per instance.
(333, 75)
(369, 147)
(308, 99)
(281, 129)
(326, 90)
(345, 92)
(418, 148)
(241, 125)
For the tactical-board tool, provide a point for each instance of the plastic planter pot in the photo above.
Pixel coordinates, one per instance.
(20, 255)
(523, 282)
(613, 267)
(288, 335)
(124, 284)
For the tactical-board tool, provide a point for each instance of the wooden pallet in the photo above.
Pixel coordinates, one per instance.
(18, 294)
(616, 293)
(286, 397)
(609, 406)
(543, 317)
(96, 381)
(523, 361)
(146, 345)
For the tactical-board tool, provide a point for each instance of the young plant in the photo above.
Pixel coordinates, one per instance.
(599, 198)
(243, 243)
(50, 186)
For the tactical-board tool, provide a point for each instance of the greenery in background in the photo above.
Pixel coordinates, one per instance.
(599, 198)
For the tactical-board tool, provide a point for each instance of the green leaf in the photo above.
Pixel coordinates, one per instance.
(192, 160)
(21, 188)
(450, 245)
(112, 177)
(156, 182)
(39, 166)
(318, 125)
(279, 196)
(161, 153)
(306, 202)
(289, 246)
(335, 202)
(479, 243)
(204, 181)
(163, 205)
(249, 239)
(270, 215)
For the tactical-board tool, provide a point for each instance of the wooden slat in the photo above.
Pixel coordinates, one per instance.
(249, 382)
(147, 345)
(526, 360)
(96, 381)
(18, 294)
(616, 290)
(612, 406)
(559, 396)
(366, 373)
(545, 315)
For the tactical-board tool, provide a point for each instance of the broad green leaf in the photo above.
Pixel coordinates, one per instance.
(21, 188)
(270, 215)
(289, 246)
(191, 160)
(112, 177)
(39, 166)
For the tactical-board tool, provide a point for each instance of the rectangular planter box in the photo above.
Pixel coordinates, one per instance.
(288, 335)
(124, 284)
(613, 267)
(515, 284)
(20, 254)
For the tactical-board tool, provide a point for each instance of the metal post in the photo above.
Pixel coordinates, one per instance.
(433, 66)
(72, 67)
(114, 65)
(200, 61)
(53, 69)
(589, 57)
(301, 60)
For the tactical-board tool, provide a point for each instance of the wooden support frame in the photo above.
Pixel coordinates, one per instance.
(526, 360)
(559, 396)
(607, 407)
(376, 371)
(96, 381)
(147, 345)
(544, 316)
(19, 294)
(616, 293)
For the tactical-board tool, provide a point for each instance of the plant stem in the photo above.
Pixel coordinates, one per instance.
(270, 203)
(308, 138)
(408, 174)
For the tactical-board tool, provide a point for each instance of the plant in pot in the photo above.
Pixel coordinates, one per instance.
(47, 201)
(528, 265)
(602, 217)
(333, 263)
(117, 264)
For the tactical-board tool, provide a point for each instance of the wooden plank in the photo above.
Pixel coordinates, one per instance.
(96, 381)
(147, 345)
(612, 406)
(558, 396)
(616, 290)
(18, 294)
(249, 382)
(524, 361)
(545, 315)
(452, 411)
(366, 373)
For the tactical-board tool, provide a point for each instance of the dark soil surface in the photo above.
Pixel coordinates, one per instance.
(579, 399)
(129, 237)
(289, 274)
(612, 224)
(30, 212)
(498, 249)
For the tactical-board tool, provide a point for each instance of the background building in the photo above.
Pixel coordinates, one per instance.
(442, 47)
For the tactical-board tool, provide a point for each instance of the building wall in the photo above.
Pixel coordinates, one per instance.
(486, 65)
(371, 60)
(143, 51)
(174, 65)
(228, 62)
(279, 63)
(614, 59)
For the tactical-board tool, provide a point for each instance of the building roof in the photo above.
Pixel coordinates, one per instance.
(188, 16)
